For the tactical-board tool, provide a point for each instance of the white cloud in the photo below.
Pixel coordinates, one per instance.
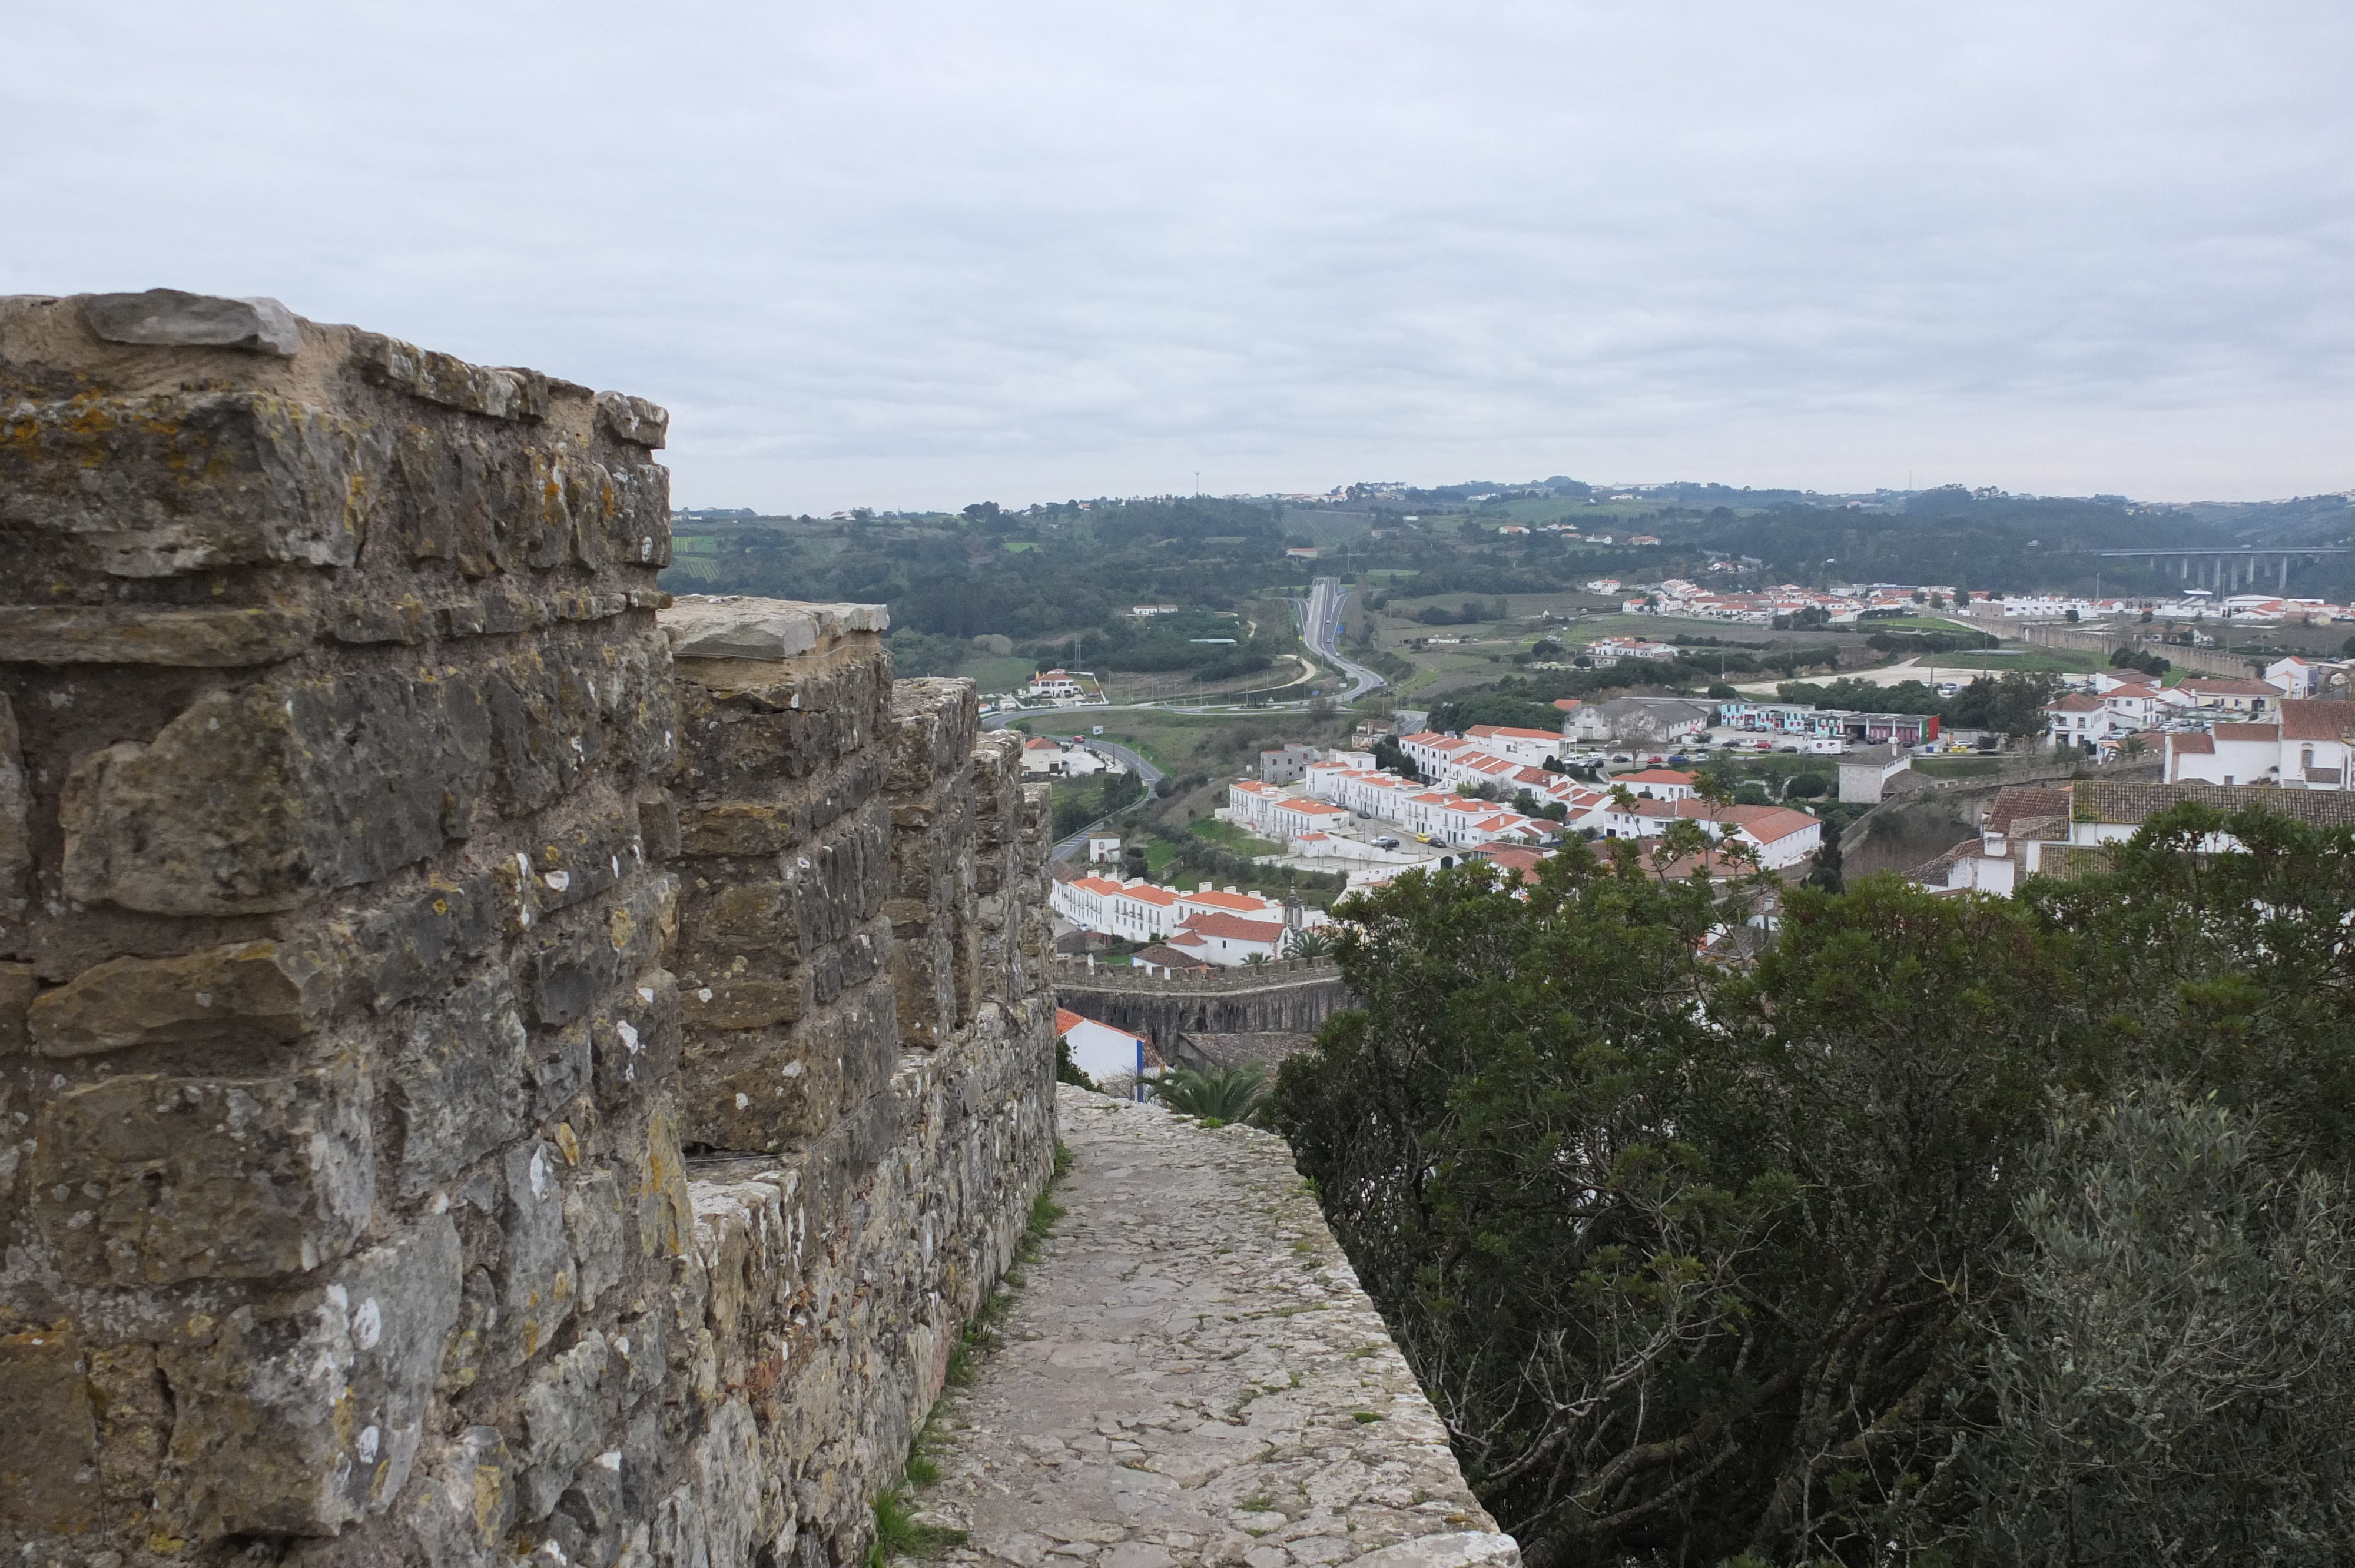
(920, 252)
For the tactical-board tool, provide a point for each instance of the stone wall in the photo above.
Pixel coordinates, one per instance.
(1228, 1003)
(370, 1189)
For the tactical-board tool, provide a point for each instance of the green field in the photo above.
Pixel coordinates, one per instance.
(1958, 767)
(992, 673)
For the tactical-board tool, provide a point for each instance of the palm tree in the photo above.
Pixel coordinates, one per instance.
(1217, 1095)
(1256, 961)
(1309, 944)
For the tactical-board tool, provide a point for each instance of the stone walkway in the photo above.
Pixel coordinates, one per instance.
(1192, 1375)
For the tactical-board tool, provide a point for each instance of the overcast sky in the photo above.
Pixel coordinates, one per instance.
(914, 254)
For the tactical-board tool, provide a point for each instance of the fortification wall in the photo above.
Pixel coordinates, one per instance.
(1297, 1001)
(370, 1190)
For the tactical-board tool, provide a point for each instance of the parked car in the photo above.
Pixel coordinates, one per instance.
(1386, 843)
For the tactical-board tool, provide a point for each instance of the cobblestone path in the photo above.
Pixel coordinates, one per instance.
(1191, 1375)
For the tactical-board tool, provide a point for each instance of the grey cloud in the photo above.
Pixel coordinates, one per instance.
(915, 253)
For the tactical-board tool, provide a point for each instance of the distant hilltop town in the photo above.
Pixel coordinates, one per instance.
(1791, 604)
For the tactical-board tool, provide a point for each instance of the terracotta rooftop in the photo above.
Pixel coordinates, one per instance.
(1235, 929)
(2313, 718)
(2024, 802)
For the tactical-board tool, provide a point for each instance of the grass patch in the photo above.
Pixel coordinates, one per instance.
(898, 1534)
(1364, 1418)
(1958, 767)
(1228, 836)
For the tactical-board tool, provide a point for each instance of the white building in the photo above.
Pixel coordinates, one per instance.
(2080, 718)
(1528, 747)
(1052, 683)
(1278, 814)
(2305, 748)
(1134, 910)
(2298, 677)
(1114, 1058)
(1659, 783)
(2242, 699)
(1229, 939)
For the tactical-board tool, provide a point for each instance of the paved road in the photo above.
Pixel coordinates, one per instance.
(1320, 628)
(1190, 1374)
(1076, 846)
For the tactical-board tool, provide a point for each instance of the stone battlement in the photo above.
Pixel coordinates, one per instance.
(489, 1065)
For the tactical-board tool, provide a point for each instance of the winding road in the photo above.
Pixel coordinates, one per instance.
(1320, 628)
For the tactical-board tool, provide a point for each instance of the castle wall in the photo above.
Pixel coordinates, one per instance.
(402, 1159)
(1297, 1000)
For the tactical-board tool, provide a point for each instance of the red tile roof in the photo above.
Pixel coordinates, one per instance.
(1230, 901)
(2315, 718)
(1235, 929)
(2020, 803)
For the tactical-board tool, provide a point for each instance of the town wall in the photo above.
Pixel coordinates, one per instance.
(1288, 997)
(471, 1086)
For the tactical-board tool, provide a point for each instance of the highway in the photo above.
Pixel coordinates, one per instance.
(1320, 628)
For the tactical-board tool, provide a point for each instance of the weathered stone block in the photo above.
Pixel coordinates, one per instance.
(561, 1061)
(262, 799)
(592, 1214)
(563, 1409)
(49, 1465)
(727, 1005)
(934, 721)
(705, 625)
(658, 825)
(16, 988)
(145, 634)
(406, 948)
(666, 1215)
(750, 916)
(588, 1522)
(571, 968)
(135, 1423)
(441, 378)
(633, 420)
(538, 1278)
(459, 1086)
(463, 1508)
(15, 828)
(308, 1415)
(751, 725)
(256, 992)
(170, 318)
(636, 1047)
(154, 487)
(148, 1179)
